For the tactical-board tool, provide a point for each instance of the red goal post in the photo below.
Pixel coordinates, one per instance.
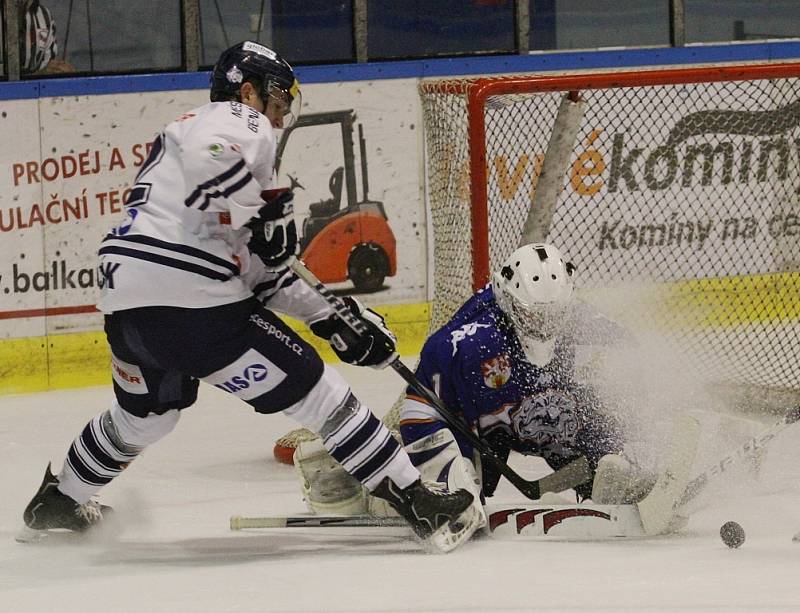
(683, 180)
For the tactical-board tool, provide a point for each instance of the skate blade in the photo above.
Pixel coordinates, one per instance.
(456, 532)
(29, 536)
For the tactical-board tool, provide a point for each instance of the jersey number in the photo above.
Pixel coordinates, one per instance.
(141, 191)
(153, 158)
(436, 380)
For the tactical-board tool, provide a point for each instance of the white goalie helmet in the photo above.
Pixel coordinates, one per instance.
(534, 288)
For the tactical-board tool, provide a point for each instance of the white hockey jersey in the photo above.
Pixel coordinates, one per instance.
(183, 242)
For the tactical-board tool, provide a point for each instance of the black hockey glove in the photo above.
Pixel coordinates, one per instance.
(375, 348)
(274, 238)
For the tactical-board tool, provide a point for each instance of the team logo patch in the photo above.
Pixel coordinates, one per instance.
(128, 376)
(496, 371)
(248, 377)
(216, 150)
(467, 330)
(234, 75)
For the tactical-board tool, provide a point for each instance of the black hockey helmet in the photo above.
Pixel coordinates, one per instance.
(249, 60)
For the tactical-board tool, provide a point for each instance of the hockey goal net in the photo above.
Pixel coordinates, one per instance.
(684, 181)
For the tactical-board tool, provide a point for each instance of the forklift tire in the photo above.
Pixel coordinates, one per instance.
(367, 267)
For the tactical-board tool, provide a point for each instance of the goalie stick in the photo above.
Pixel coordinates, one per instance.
(573, 474)
(699, 483)
(505, 521)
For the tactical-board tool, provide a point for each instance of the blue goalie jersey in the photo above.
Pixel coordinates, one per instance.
(478, 368)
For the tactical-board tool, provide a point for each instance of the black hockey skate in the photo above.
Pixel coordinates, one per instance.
(429, 510)
(52, 510)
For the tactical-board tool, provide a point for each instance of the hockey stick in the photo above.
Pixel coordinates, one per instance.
(699, 483)
(575, 473)
(239, 522)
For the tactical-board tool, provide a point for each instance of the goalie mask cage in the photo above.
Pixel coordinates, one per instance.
(680, 194)
(679, 199)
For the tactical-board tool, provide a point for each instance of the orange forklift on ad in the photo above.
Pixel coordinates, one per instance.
(353, 241)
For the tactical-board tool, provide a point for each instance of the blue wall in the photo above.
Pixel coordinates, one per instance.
(539, 62)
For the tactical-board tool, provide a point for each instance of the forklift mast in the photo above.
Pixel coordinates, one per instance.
(345, 119)
(351, 242)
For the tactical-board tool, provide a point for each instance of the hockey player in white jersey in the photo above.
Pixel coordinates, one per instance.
(190, 280)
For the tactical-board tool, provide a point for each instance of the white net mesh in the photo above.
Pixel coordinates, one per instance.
(687, 191)
(682, 194)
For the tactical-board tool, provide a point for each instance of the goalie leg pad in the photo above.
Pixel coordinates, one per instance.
(438, 458)
(619, 481)
(657, 509)
(328, 489)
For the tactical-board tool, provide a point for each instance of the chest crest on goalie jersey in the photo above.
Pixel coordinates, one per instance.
(496, 371)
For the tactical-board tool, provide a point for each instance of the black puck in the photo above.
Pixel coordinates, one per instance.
(732, 534)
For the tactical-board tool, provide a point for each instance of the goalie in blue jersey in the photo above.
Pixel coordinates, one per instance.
(505, 363)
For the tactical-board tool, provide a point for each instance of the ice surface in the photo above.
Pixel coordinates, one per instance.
(176, 554)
